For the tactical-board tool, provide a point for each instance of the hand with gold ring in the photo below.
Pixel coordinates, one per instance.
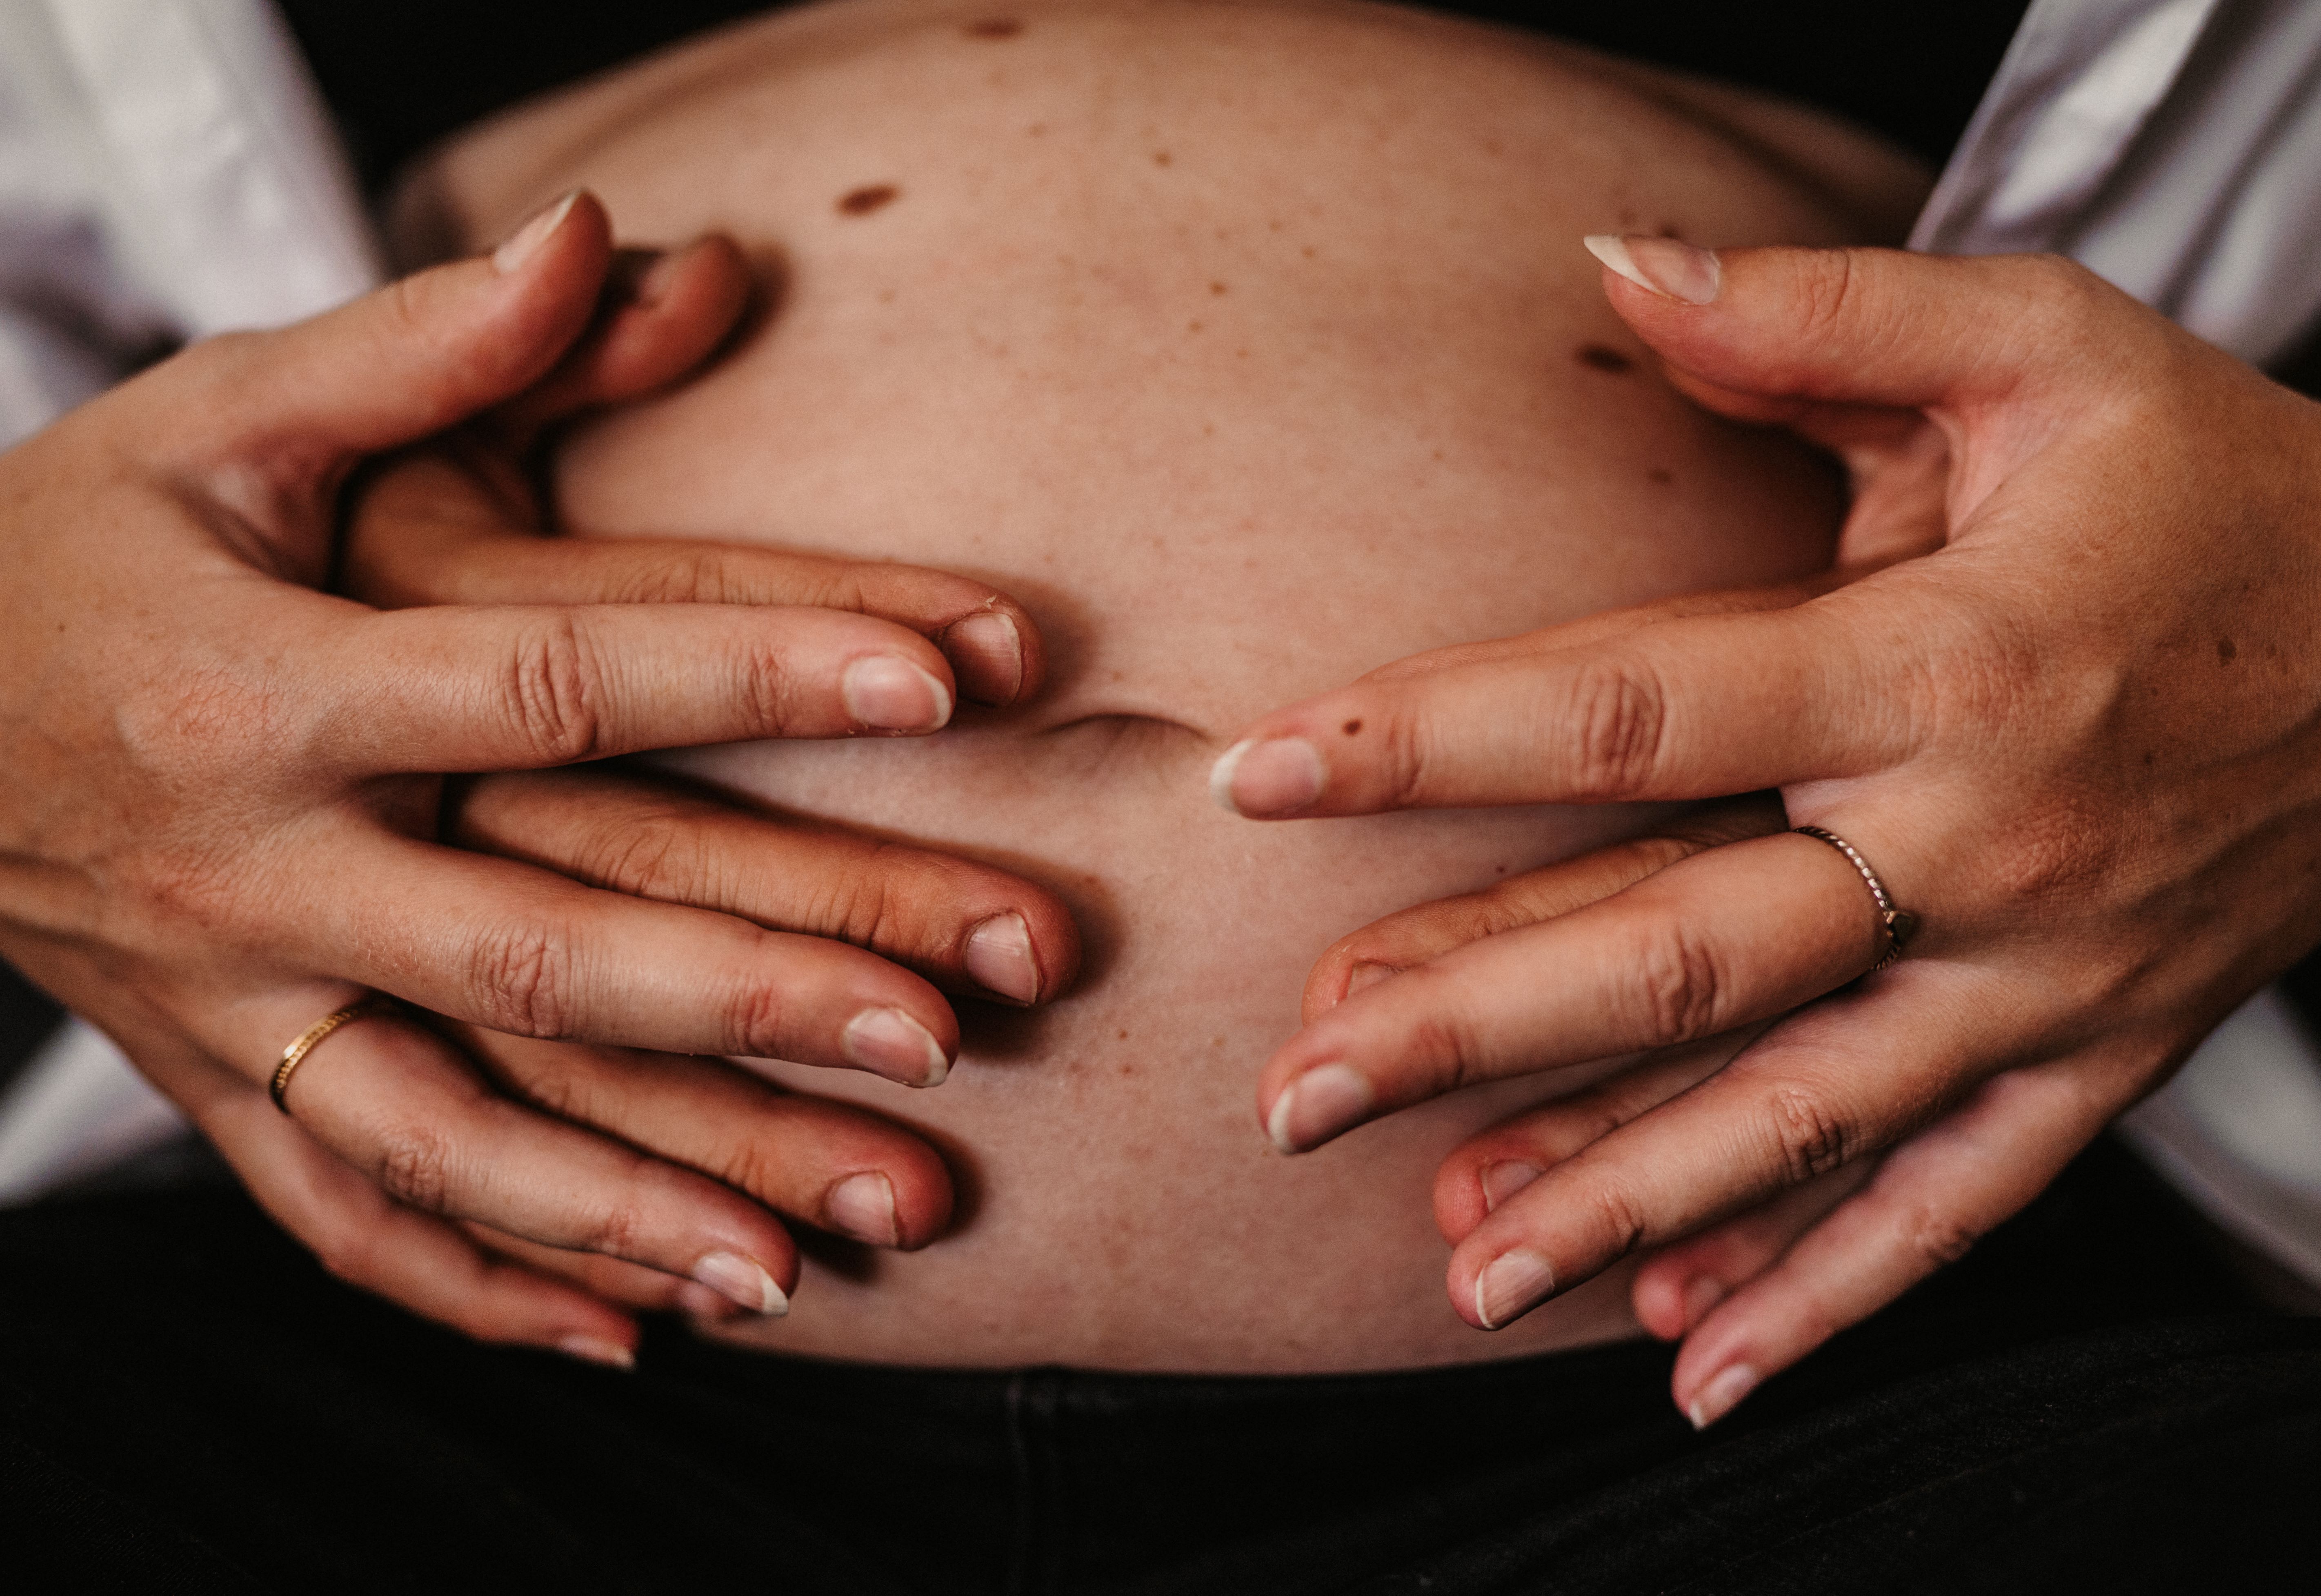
(223, 811)
(2058, 693)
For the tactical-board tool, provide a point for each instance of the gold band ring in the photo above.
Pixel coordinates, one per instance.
(1900, 924)
(311, 1037)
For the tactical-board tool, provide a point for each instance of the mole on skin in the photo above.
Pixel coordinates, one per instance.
(1350, 727)
(863, 201)
(1603, 357)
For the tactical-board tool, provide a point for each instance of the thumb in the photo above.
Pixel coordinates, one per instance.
(417, 356)
(1853, 327)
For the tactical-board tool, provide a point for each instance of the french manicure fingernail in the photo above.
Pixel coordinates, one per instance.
(1701, 1293)
(743, 1281)
(863, 1207)
(999, 958)
(1317, 1105)
(1503, 1179)
(887, 1042)
(589, 1349)
(525, 242)
(1365, 975)
(1510, 1283)
(1668, 267)
(1274, 777)
(891, 694)
(1721, 1395)
(990, 643)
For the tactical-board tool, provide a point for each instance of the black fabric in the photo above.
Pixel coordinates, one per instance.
(400, 73)
(186, 1402)
(27, 1016)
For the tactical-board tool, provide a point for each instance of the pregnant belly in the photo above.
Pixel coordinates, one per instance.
(1251, 347)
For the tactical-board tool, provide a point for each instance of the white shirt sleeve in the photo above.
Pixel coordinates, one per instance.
(2172, 146)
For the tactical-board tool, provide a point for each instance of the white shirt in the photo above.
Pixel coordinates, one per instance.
(167, 170)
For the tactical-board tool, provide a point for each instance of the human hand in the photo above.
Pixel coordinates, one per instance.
(2067, 710)
(221, 801)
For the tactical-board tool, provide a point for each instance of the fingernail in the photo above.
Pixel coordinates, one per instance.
(1510, 1283)
(887, 1042)
(1721, 1395)
(743, 1281)
(611, 1355)
(1365, 975)
(1668, 267)
(1503, 1179)
(525, 242)
(1270, 778)
(989, 649)
(999, 958)
(863, 1207)
(890, 695)
(1701, 1293)
(1317, 1105)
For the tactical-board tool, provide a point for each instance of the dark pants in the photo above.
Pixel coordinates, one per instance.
(187, 1404)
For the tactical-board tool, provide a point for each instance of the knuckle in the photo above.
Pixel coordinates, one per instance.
(1825, 292)
(675, 576)
(1679, 987)
(757, 1018)
(1939, 1239)
(1616, 1218)
(1808, 1137)
(767, 689)
(647, 853)
(414, 1164)
(616, 1229)
(552, 694)
(522, 979)
(1620, 713)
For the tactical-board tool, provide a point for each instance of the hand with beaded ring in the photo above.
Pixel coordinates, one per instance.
(2059, 688)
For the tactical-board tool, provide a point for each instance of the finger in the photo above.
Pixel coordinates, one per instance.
(362, 1237)
(1694, 707)
(1726, 937)
(399, 1104)
(457, 690)
(525, 951)
(1361, 958)
(426, 535)
(411, 359)
(966, 926)
(1675, 1287)
(1928, 1202)
(1841, 1080)
(836, 1167)
(1882, 327)
(609, 1280)
(662, 313)
(1488, 1168)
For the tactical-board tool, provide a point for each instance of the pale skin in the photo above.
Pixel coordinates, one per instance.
(1957, 1176)
(226, 825)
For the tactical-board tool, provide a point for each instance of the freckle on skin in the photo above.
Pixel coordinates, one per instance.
(1160, 157)
(2226, 651)
(862, 201)
(1603, 357)
(1216, 287)
(1192, 326)
(1498, 869)
(993, 27)
(1662, 475)
(1352, 727)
